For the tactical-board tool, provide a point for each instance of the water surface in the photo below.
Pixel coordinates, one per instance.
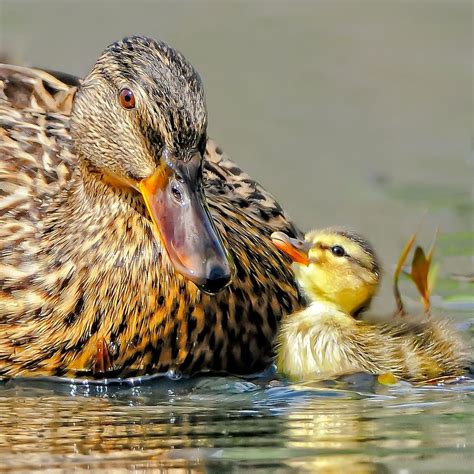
(223, 424)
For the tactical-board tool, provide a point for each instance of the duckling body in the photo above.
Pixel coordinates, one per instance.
(326, 340)
(81, 261)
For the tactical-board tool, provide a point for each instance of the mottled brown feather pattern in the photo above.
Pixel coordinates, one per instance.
(79, 263)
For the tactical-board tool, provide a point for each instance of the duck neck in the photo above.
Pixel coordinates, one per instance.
(92, 214)
(89, 199)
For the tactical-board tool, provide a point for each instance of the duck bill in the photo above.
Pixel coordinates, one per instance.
(296, 249)
(179, 211)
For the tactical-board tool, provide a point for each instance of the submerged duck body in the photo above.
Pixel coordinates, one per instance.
(339, 272)
(96, 202)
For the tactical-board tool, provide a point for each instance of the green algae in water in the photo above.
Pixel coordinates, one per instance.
(456, 244)
(432, 197)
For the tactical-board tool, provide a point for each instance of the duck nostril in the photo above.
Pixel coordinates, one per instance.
(176, 192)
(218, 278)
(217, 272)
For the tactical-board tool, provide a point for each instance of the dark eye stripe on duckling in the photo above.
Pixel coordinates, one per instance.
(364, 245)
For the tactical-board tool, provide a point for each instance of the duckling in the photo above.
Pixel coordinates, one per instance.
(339, 272)
(129, 242)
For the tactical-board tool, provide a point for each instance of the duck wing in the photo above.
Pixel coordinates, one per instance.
(35, 147)
(229, 188)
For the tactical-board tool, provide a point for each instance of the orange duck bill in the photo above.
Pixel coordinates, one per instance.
(179, 211)
(296, 249)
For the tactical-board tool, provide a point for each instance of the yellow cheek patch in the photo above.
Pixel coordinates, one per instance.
(343, 284)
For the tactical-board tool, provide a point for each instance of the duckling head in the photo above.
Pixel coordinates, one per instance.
(139, 123)
(333, 266)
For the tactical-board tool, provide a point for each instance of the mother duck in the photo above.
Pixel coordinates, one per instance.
(129, 244)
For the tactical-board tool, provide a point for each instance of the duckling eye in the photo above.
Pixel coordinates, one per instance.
(127, 99)
(338, 251)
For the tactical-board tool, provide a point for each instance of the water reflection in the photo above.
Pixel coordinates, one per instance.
(211, 423)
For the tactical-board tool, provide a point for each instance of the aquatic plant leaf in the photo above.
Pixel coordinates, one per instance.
(422, 273)
(463, 278)
(433, 276)
(433, 244)
(419, 274)
(401, 261)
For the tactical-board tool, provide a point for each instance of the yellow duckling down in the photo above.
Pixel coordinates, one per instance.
(339, 272)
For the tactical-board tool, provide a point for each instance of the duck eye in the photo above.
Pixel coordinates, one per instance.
(127, 99)
(338, 251)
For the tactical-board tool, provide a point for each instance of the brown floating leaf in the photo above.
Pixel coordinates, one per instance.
(403, 256)
(420, 272)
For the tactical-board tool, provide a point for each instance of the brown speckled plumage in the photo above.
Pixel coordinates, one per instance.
(79, 261)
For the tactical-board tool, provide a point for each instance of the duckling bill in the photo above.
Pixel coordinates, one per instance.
(339, 272)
